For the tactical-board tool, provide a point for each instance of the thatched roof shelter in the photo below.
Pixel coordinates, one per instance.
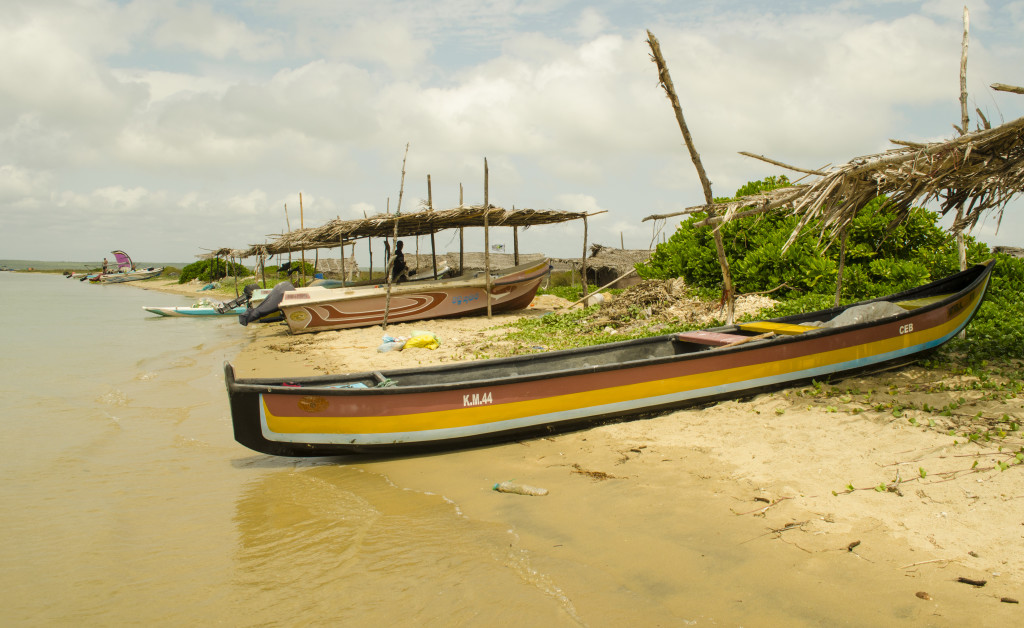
(333, 233)
(605, 263)
(969, 175)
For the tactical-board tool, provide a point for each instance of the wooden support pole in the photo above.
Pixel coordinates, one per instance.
(842, 263)
(394, 240)
(433, 245)
(341, 242)
(288, 223)
(235, 272)
(462, 240)
(583, 260)
(961, 245)
(666, 82)
(302, 225)
(487, 242)
(515, 245)
(263, 268)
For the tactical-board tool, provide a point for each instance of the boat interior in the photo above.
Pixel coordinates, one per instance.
(653, 349)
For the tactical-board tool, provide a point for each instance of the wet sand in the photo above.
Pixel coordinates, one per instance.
(775, 470)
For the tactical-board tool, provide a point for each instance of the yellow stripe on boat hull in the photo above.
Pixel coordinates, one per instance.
(482, 415)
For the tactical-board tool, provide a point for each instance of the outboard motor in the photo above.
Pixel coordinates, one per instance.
(269, 305)
(242, 299)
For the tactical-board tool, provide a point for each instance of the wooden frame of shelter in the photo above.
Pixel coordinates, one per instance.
(337, 232)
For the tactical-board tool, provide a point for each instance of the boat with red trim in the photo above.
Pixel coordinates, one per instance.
(317, 308)
(469, 403)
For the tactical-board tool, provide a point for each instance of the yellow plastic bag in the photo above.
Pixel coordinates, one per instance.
(423, 340)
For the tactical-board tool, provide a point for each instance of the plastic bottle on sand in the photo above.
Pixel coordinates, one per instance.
(519, 489)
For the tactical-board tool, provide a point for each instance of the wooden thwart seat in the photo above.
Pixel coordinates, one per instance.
(712, 338)
(913, 304)
(718, 339)
(783, 329)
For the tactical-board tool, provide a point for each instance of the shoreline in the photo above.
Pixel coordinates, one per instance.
(864, 468)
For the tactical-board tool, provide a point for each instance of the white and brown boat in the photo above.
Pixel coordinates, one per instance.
(318, 308)
(467, 403)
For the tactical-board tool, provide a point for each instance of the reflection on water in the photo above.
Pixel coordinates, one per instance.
(361, 550)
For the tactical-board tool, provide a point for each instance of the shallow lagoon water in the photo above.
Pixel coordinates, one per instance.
(127, 502)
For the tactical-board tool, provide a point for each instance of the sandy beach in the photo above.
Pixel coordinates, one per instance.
(861, 474)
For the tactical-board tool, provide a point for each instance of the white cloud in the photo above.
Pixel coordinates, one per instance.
(199, 28)
(230, 111)
(18, 184)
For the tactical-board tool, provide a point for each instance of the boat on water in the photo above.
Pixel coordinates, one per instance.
(126, 271)
(195, 310)
(241, 305)
(470, 403)
(317, 308)
(130, 275)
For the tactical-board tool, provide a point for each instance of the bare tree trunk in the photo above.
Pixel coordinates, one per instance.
(961, 246)
(666, 82)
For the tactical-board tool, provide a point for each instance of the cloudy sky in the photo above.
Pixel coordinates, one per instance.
(167, 128)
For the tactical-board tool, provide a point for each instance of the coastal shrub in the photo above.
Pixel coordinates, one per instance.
(882, 257)
(996, 330)
(212, 270)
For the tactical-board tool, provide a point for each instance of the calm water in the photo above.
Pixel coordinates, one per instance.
(125, 501)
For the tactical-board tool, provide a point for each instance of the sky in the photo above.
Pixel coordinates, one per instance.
(170, 128)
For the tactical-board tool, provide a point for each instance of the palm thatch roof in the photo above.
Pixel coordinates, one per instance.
(970, 175)
(333, 233)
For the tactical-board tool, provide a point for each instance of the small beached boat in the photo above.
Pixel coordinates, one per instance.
(318, 309)
(473, 402)
(195, 310)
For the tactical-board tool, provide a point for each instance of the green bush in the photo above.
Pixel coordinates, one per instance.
(996, 330)
(212, 270)
(882, 257)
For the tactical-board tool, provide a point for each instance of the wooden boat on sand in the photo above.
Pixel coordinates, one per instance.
(318, 309)
(469, 403)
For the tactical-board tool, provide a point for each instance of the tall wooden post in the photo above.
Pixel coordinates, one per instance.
(670, 90)
(515, 245)
(287, 223)
(583, 260)
(235, 271)
(263, 266)
(430, 207)
(842, 263)
(462, 240)
(487, 243)
(394, 239)
(961, 245)
(302, 225)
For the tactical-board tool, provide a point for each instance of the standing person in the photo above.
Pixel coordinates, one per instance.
(399, 270)
(104, 266)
